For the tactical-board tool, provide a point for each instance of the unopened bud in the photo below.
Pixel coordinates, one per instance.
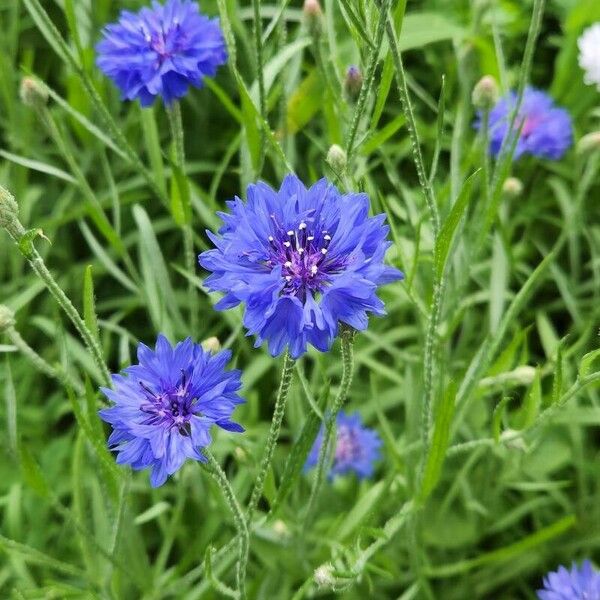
(589, 143)
(9, 214)
(7, 318)
(240, 454)
(280, 528)
(512, 440)
(337, 158)
(211, 344)
(485, 93)
(32, 92)
(512, 187)
(353, 82)
(313, 15)
(323, 576)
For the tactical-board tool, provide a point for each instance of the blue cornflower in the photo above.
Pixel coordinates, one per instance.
(356, 447)
(546, 130)
(302, 260)
(165, 406)
(577, 584)
(161, 51)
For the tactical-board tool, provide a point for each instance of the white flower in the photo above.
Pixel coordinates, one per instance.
(589, 54)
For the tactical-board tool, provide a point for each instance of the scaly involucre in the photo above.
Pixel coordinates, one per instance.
(161, 51)
(356, 448)
(301, 260)
(546, 130)
(165, 406)
(577, 584)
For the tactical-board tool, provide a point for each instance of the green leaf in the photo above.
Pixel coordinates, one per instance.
(305, 102)
(587, 361)
(360, 511)
(25, 244)
(532, 403)
(36, 165)
(420, 29)
(557, 381)
(439, 442)
(152, 513)
(180, 197)
(32, 473)
(444, 241)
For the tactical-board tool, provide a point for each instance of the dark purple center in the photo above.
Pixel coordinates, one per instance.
(171, 409)
(166, 44)
(303, 254)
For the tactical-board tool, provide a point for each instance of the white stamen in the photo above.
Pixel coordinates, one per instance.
(287, 244)
(290, 232)
(327, 237)
(287, 264)
(314, 269)
(310, 238)
(300, 250)
(288, 277)
(302, 226)
(271, 238)
(323, 250)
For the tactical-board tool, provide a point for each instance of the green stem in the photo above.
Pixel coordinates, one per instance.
(258, 56)
(285, 381)
(40, 364)
(239, 519)
(365, 90)
(176, 125)
(347, 339)
(410, 121)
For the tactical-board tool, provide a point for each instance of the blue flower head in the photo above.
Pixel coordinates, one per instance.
(546, 130)
(165, 406)
(580, 583)
(161, 51)
(302, 260)
(356, 448)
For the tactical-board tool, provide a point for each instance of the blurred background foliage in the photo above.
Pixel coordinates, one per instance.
(518, 493)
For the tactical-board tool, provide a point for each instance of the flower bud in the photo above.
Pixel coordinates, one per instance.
(512, 187)
(32, 92)
(7, 318)
(513, 440)
(589, 143)
(485, 93)
(211, 344)
(313, 15)
(323, 576)
(353, 82)
(9, 214)
(280, 528)
(337, 159)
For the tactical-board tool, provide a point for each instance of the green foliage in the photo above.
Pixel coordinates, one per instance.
(496, 482)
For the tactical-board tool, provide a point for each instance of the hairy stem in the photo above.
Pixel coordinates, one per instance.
(347, 338)
(238, 517)
(176, 125)
(282, 393)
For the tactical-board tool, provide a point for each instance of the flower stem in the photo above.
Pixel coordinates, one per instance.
(347, 338)
(258, 55)
(238, 517)
(176, 125)
(38, 265)
(282, 393)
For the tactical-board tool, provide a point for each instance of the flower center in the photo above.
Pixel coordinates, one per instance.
(170, 409)
(347, 448)
(530, 122)
(303, 254)
(165, 43)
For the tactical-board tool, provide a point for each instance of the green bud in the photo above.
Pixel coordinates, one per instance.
(323, 576)
(9, 214)
(589, 143)
(353, 82)
(337, 159)
(313, 14)
(33, 93)
(512, 187)
(7, 318)
(485, 93)
(211, 344)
